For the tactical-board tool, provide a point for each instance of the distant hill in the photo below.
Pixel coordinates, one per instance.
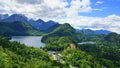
(52, 28)
(17, 28)
(63, 30)
(112, 39)
(93, 32)
(3, 16)
(42, 26)
(16, 17)
(102, 32)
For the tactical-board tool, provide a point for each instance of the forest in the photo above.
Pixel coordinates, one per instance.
(104, 53)
(16, 55)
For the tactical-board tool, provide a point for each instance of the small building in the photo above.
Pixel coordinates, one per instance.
(72, 46)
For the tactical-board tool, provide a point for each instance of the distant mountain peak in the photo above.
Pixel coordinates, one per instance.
(19, 16)
(66, 25)
(39, 20)
(51, 21)
(16, 17)
(3, 16)
(92, 32)
(65, 28)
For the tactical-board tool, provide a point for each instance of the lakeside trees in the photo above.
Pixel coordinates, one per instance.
(16, 55)
(104, 53)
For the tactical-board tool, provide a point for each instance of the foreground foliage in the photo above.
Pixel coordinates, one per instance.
(15, 55)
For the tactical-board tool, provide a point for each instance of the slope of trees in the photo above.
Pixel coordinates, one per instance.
(104, 53)
(78, 58)
(16, 55)
(63, 30)
(17, 28)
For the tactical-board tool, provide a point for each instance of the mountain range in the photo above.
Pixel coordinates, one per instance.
(39, 25)
(92, 32)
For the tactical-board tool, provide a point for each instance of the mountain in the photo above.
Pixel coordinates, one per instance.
(102, 32)
(17, 28)
(62, 30)
(42, 26)
(38, 24)
(112, 39)
(49, 24)
(16, 17)
(85, 31)
(51, 28)
(3, 16)
(92, 32)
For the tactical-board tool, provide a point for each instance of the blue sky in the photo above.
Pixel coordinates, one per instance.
(107, 7)
(102, 8)
(81, 14)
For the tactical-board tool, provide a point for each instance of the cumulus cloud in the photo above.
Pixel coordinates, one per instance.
(56, 10)
(111, 23)
(47, 8)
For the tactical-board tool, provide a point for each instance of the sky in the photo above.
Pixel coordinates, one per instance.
(81, 14)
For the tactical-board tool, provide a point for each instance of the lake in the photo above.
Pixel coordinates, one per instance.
(34, 41)
(87, 42)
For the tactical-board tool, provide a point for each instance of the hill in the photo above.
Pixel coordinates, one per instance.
(16, 17)
(43, 26)
(17, 28)
(63, 30)
(93, 32)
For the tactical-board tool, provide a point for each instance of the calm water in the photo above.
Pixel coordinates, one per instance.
(34, 41)
(86, 43)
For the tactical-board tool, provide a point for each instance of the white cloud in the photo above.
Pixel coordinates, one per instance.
(30, 1)
(78, 6)
(111, 23)
(99, 2)
(55, 9)
(45, 8)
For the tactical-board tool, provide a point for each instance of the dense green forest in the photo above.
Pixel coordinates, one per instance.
(104, 53)
(63, 30)
(16, 55)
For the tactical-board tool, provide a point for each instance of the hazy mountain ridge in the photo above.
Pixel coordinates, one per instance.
(92, 32)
